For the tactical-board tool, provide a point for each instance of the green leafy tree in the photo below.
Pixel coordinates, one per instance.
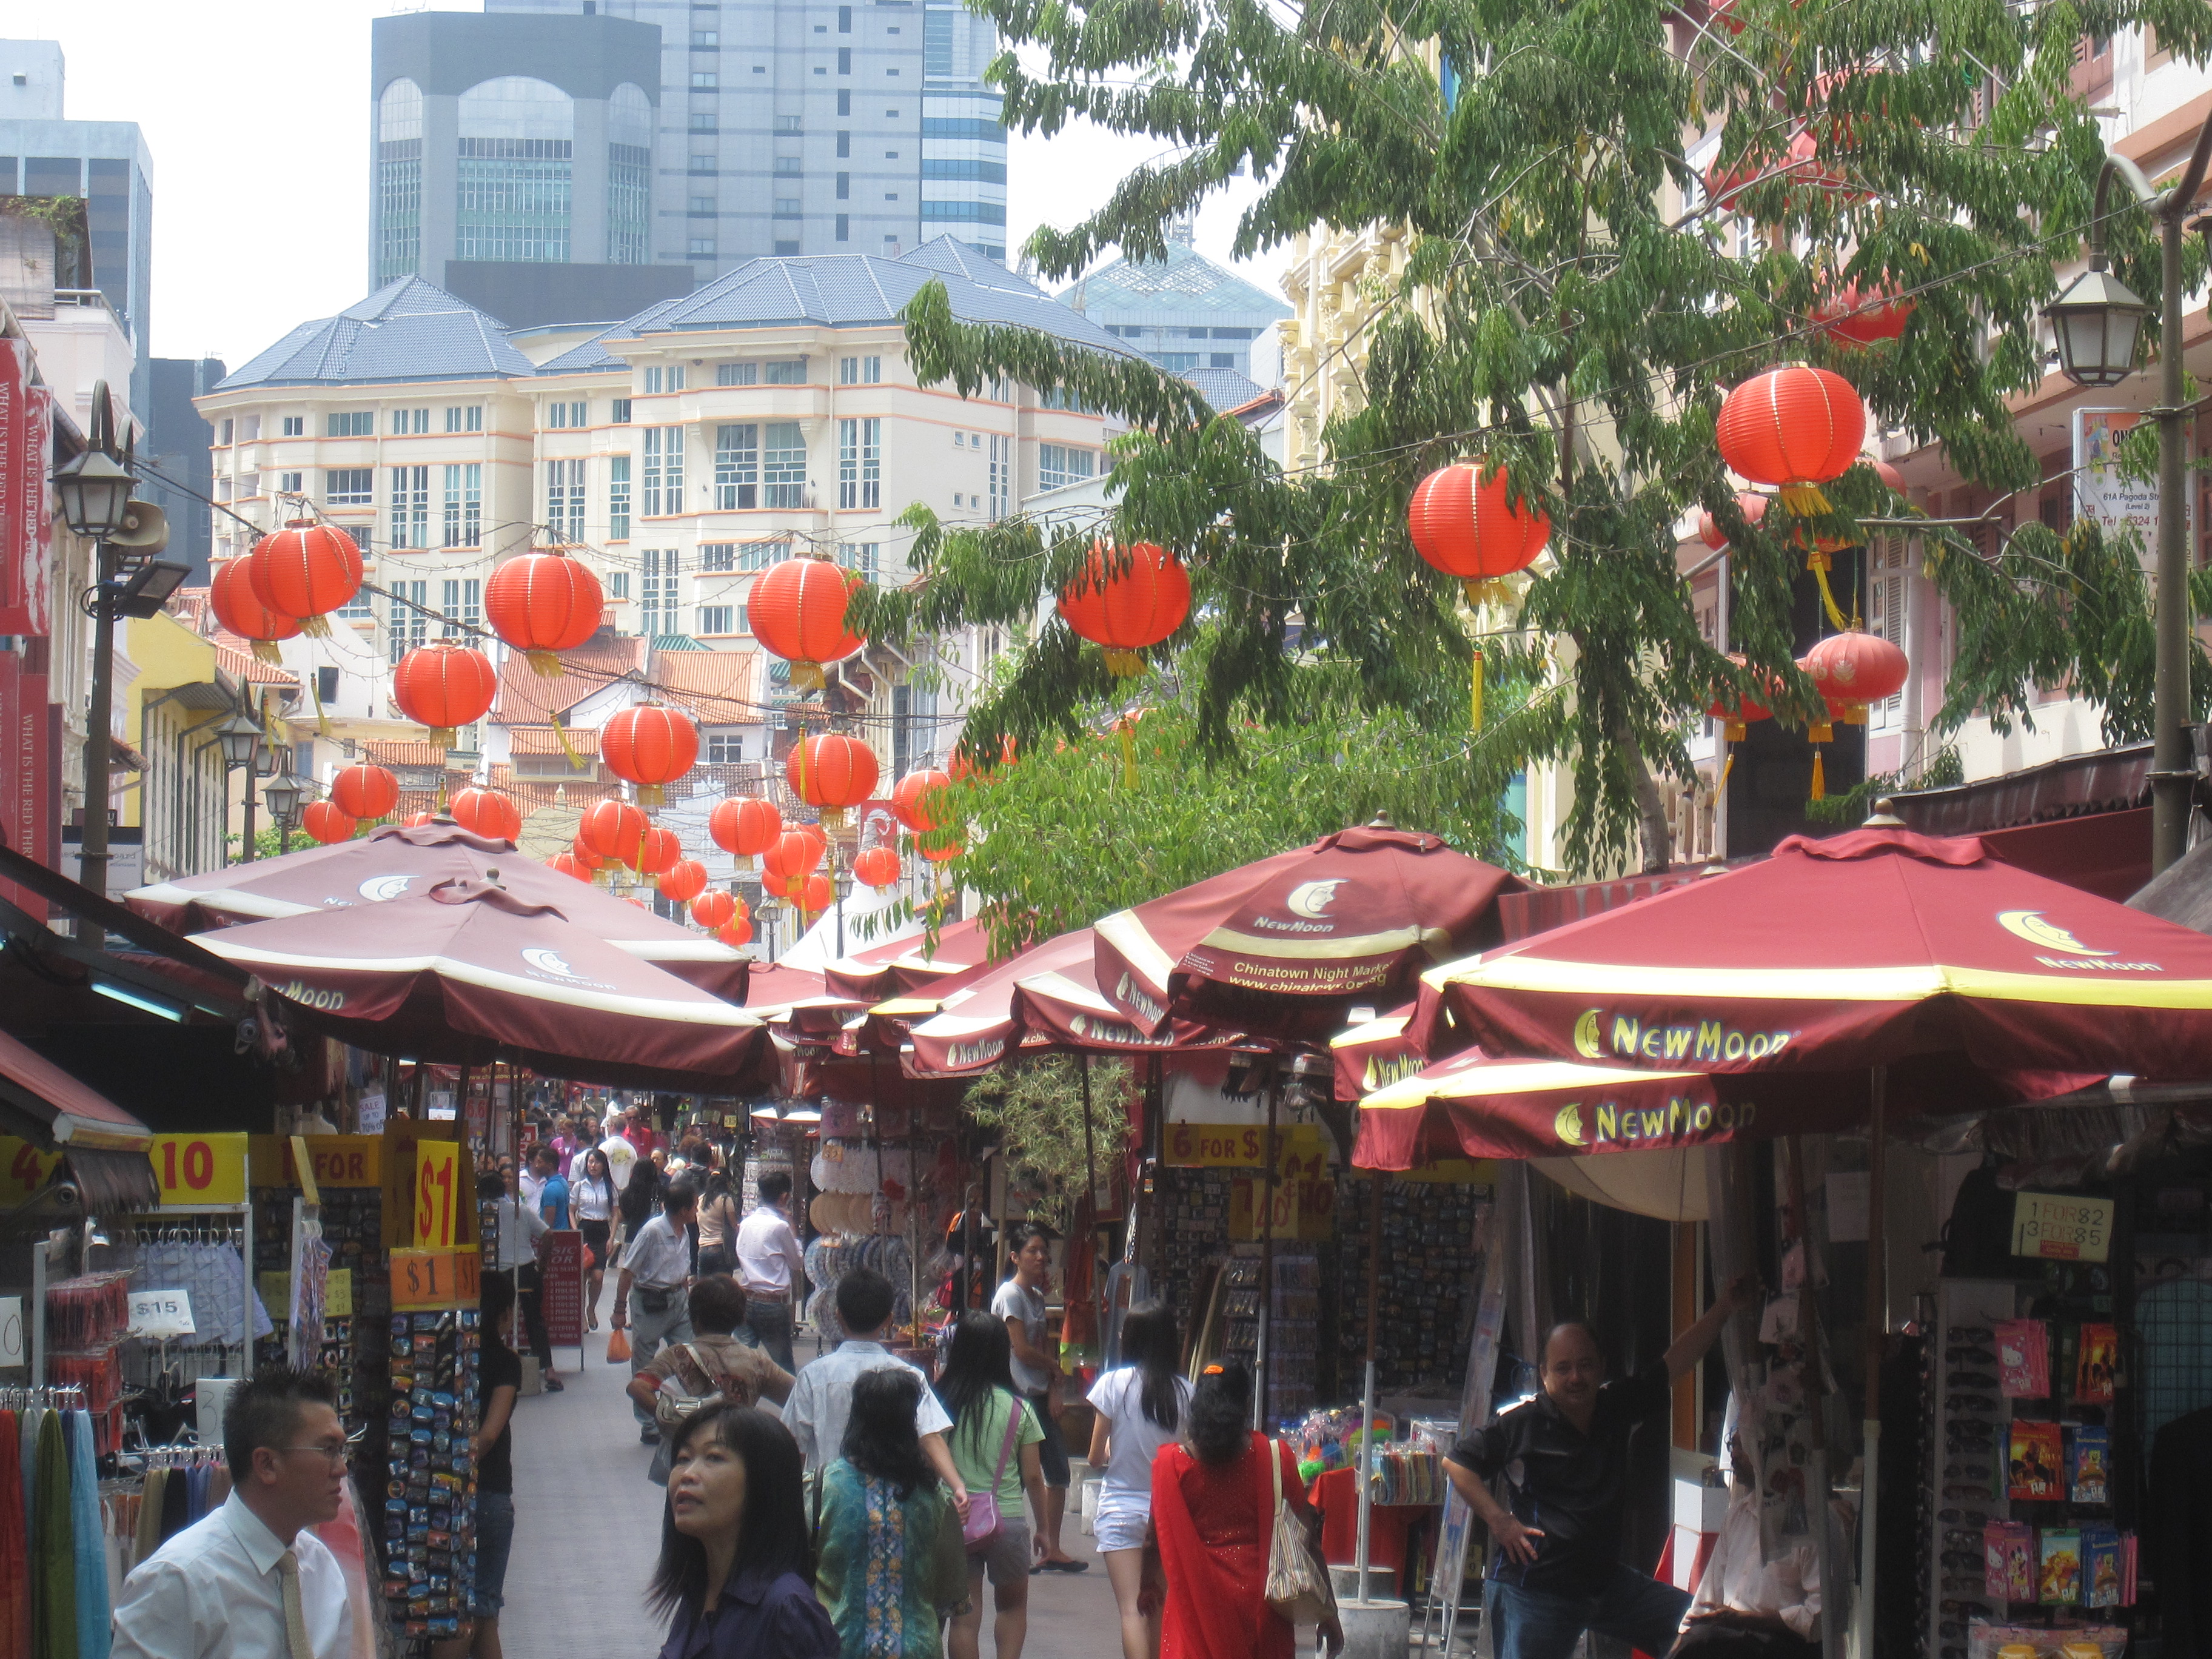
(1037, 1106)
(1557, 319)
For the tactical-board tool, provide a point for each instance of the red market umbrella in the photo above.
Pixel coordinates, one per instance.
(1844, 954)
(468, 972)
(396, 862)
(1357, 913)
(907, 964)
(1475, 1105)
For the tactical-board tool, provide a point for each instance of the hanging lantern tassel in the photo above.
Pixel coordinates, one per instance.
(1486, 590)
(444, 736)
(1128, 752)
(1820, 735)
(1819, 562)
(1732, 733)
(266, 651)
(652, 797)
(315, 628)
(547, 663)
(561, 730)
(1124, 665)
(808, 676)
(1474, 698)
(314, 691)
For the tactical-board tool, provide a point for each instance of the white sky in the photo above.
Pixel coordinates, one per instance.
(255, 113)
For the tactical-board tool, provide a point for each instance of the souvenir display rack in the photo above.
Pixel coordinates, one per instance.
(1429, 1229)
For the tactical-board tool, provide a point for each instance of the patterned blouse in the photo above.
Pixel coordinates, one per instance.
(887, 1571)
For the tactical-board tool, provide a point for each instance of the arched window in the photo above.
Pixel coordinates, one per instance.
(629, 176)
(399, 181)
(516, 138)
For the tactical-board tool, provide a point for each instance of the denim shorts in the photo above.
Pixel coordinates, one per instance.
(1122, 1519)
(495, 1539)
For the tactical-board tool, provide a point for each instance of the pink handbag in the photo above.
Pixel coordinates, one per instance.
(982, 1523)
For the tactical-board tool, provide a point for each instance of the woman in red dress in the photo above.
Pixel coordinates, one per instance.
(1213, 1517)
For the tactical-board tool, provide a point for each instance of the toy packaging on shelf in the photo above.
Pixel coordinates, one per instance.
(429, 1510)
(1427, 1297)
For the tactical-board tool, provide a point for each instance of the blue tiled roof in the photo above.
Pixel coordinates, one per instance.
(587, 355)
(406, 331)
(1184, 284)
(1223, 389)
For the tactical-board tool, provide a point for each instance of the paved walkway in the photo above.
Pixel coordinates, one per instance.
(587, 1531)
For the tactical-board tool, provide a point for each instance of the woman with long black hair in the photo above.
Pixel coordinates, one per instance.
(993, 1442)
(890, 1563)
(1142, 1406)
(735, 1577)
(592, 1201)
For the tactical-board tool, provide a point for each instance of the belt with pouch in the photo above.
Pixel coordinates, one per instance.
(656, 1298)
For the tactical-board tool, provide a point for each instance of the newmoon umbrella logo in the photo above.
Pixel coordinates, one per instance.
(381, 890)
(1568, 1125)
(2030, 926)
(549, 962)
(1311, 899)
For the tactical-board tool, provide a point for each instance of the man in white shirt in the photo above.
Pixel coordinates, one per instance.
(1020, 1302)
(520, 1230)
(622, 1157)
(252, 1581)
(821, 1396)
(1748, 1608)
(771, 1267)
(657, 1267)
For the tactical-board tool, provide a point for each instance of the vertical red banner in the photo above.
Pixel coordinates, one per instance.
(34, 509)
(562, 1276)
(15, 386)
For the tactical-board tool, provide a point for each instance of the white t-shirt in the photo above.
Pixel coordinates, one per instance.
(1134, 1437)
(1017, 1301)
(588, 1201)
(621, 1157)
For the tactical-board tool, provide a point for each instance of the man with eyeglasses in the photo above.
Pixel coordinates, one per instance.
(252, 1581)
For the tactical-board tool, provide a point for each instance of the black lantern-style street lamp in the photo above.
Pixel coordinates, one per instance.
(2098, 323)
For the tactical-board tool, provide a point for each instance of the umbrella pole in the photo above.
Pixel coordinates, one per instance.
(1816, 1424)
(1263, 1354)
(1877, 1319)
(1090, 1151)
(1367, 1390)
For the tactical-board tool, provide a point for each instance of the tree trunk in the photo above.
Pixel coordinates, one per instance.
(1654, 831)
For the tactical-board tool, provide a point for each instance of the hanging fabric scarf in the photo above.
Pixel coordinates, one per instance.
(14, 1546)
(53, 1549)
(93, 1634)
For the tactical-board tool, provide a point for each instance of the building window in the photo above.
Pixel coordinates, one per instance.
(465, 505)
(723, 748)
(656, 594)
(619, 499)
(568, 414)
(790, 371)
(844, 60)
(701, 248)
(405, 624)
(786, 250)
(736, 467)
(352, 424)
(716, 558)
(845, 20)
(859, 370)
(1058, 465)
(410, 422)
(937, 43)
(564, 499)
(658, 379)
(788, 207)
(349, 486)
(411, 507)
(788, 124)
(514, 179)
(717, 619)
(859, 463)
(629, 176)
(844, 228)
(1001, 477)
(360, 608)
(862, 558)
(620, 414)
(788, 166)
(844, 145)
(618, 583)
(702, 207)
(463, 603)
(737, 373)
(288, 484)
(296, 426)
(399, 181)
(457, 419)
(663, 470)
(844, 101)
(783, 465)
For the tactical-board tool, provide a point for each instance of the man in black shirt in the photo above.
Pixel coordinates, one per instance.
(1555, 1568)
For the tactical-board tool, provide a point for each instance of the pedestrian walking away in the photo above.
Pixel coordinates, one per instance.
(771, 1267)
(1565, 1454)
(821, 1398)
(994, 1440)
(736, 1575)
(522, 1235)
(1142, 1406)
(713, 1368)
(1213, 1515)
(620, 1156)
(718, 1220)
(657, 1267)
(889, 1563)
(592, 1201)
(252, 1581)
(1020, 1302)
(499, 1371)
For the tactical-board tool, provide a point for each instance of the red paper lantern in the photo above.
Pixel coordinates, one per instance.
(939, 854)
(542, 603)
(1753, 507)
(818, 896)
(1862, 316)
(1126, 601)
(713, 908)
(649, 746)
(1891, 477)
(735, 934)
(1470, 525)
(239, 609)
(915, 801)
(964, 765)
(364, 791)
(488, 813)
(569, 865)
(794, 853)
(745, 825)
(611, 831)
(876, 868)
(417, 820)
(444, 686)
(1736, 715)
(833, 772)
(305, 570)
(1794, 429)
(683, 881)
(326, 823)
(797, 610)
(658, 851)
(1853, 669)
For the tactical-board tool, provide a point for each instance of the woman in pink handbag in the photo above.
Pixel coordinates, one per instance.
(994, 1440)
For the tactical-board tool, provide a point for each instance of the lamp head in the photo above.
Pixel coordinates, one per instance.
(2097, 326)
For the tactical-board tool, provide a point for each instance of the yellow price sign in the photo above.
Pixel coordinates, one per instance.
(435, 1278)
(23, 1169)
(200, 1169)
(437, 1174)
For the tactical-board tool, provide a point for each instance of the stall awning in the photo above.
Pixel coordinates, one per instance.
(73, 1115)
(2103, 781)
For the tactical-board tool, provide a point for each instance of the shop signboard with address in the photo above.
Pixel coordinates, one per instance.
(2062, 1226)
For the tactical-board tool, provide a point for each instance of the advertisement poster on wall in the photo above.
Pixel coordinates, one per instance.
(2099, 491)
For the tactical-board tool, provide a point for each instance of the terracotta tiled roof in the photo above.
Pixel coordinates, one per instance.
(532, 794)
(235, 658)
(527, 697)
(720, 688)
(543, 740)
(400, 752)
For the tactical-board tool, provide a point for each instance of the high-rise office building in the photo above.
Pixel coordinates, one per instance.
(179, 474)
(513, 162)
(799, 127)
(105, 162)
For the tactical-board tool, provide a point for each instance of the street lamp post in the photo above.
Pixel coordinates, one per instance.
(94, 488)
(281, 794)
(240, 737)
(2098, 322)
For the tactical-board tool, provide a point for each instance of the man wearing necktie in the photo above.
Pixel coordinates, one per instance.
(252, 1581)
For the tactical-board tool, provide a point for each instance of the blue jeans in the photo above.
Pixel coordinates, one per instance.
(494, 1539)
(1537, 1623)
(770, 1323)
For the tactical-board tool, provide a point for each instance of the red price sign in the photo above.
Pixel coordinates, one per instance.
(437, 1173)
(436, 1278)
(23, 1168)
(200, 1169)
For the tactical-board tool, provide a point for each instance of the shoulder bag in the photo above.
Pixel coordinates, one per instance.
(1299, 1587)
(673, 1406)
(982, 1523)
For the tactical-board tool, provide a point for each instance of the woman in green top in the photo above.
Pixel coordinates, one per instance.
(889, 1560)
(979, 1395)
